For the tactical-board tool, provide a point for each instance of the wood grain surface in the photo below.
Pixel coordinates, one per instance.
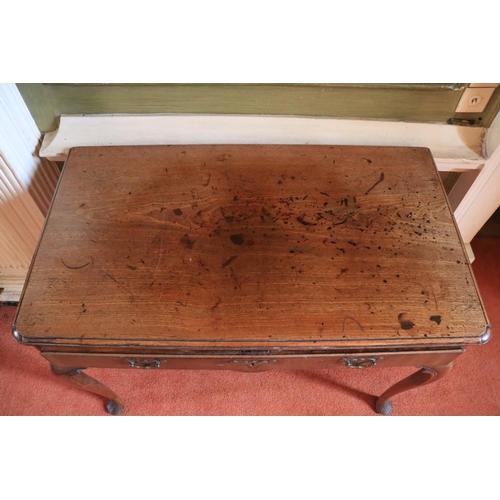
(250, 245)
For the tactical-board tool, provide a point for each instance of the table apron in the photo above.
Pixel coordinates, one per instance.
(254, 363)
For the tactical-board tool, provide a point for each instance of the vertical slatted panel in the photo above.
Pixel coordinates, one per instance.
(27, 183)
(20, 220)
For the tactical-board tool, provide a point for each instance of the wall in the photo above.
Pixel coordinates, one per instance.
(405, 102)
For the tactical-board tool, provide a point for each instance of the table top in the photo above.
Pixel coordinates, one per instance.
(250, 245)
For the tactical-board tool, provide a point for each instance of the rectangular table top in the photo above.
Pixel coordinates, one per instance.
(250, 245)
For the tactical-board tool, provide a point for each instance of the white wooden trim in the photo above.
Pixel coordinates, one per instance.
(492, 139)
(454, 148)
(453, 165)
(481, 200)
(470, 252)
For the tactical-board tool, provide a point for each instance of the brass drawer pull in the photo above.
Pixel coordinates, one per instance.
(145, 364)
(360, 362)
(252, 363)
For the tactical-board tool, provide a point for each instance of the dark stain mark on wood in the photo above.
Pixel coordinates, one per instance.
(367, 160)
(381, 179)
(326, 194)
(339, 223)
(227, 218)
(237, 239)
(352, 243)
(228, 261)
(305, 223)
(266, 213)
(133, 268)
(76, 267)
(177, 211)
(405, 324)
(216, 304)
(207, 182)
(187, 241)
(436, 319)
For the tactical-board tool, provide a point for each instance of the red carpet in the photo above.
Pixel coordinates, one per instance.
(27, 386)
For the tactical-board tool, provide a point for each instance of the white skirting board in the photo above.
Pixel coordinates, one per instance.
(454, 148)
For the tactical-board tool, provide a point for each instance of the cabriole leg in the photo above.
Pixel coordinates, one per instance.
(425, 375)
(76, 377)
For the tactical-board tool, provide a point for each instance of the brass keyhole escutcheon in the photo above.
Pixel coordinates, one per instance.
(360, 362)
(144, 364)
(253, 362)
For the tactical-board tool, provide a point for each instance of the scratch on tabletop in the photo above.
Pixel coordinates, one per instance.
(382, 177)
(76, 267)
(352, 319)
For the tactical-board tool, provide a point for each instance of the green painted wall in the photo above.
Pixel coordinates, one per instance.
(406, 102)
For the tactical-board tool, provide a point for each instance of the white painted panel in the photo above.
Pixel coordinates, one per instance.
(454, 148)
(481, 200)
(492, 140)
(19, 136)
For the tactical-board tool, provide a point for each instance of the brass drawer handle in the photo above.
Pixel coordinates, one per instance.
(360, 362)
(145, 364)
(252, 363)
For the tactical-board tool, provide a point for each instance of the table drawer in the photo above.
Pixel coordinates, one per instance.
(253, 363)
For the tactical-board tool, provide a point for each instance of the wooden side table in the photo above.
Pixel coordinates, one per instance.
(250, 258)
